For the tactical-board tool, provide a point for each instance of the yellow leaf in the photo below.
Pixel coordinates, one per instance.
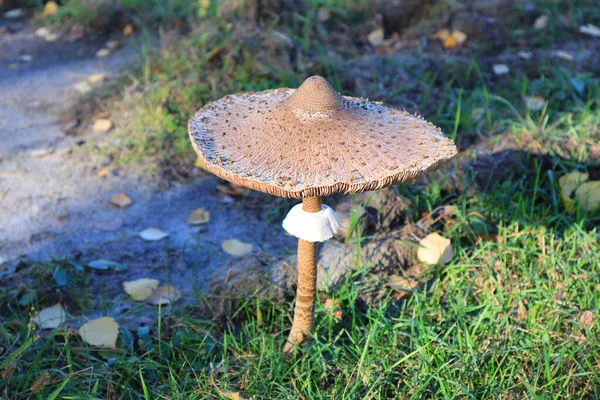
(102, 126)
(435, 249)
(140, 289)
(442, 34)
(101, 332)
(50, 8)
(588, 195)
(235, 248)
(102, 172)
(128, 30)
(121, 200)
(164, 295)
(568, 183)
(198, 217)
(450, 42)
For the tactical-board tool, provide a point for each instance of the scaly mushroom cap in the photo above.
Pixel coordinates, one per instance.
(311, 141)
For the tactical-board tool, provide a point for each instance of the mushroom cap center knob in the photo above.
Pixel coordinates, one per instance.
(315, 96)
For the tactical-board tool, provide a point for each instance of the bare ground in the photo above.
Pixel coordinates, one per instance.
(51, 199)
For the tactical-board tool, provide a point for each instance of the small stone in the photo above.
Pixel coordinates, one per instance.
(500, 69)
(102, 126)
(16, 13)
(102, 53)
(26, 58)
(564, 55)
(525, 55)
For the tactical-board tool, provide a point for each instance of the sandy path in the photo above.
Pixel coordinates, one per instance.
(50, 203)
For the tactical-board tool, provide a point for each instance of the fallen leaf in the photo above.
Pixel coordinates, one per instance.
(590, 29)
(405, 286)
(231, 189)
(105, 264)
(435, 249)
(235, 248)
(50, 8)
(51, 317)
(524, 54)
(450, 42)
(16, 13)
(588, 195)
(586, 319)
(111, 225)
(102, 172)
(164, 295)
(198, 217)
(41, 152)
(534, 103)
(335, 307)
(152, 234)
(442, 34)
(102, 126)
(101, 332)
(500, 69)
(102, 53)
(540, 22)
(82, 87)
(375, 38)
(565, 55)
(568, 183)
(128, 30)
(140, 289)
(26, 58)
(121, 200)
(231, 395)
(460, 37)
(198, 163)
(96, 78)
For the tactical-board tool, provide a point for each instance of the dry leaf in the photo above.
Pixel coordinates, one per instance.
(152, 234)
(50, 8)
(442, 34)
(586, 319)
(128, 30)
(140, 289)
(588, 195)
(110, 225)
(121, 200)
(501, 69)
(590, 29)
(96, 78)
(231, 395)
(100, 332)
(41, 152)
(524, 54)
(102, 172)
(102, 53)
(460, 37)
(198, 163)
(435, 249)
(565, 55)
(534, 103)
(164, 295)
(51, 317)
(102, 126)
(334, 305)
(231, 189)
(235, 248)
(540, 22)
(82, 87)
(403, 285)
(198, 217)
(375, 38)
(568, 183)
(450, 42)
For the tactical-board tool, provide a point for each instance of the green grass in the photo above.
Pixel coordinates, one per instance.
(505, 319)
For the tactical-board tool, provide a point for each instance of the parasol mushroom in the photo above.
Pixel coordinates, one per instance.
(308, 143)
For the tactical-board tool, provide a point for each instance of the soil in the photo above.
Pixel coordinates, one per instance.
(52, 199)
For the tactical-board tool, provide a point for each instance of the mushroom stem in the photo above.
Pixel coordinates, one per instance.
(303, 322)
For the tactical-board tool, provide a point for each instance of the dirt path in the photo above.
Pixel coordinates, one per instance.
(51, 199)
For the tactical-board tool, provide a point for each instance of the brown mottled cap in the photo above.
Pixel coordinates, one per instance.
(312, 141)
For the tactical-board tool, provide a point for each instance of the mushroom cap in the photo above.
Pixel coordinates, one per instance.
(312, 141)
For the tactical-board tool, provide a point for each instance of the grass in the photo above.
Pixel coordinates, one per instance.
(513, 316)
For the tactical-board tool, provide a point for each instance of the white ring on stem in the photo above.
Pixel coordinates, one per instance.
(312, 227)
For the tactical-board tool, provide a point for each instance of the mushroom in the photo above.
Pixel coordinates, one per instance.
(308, 143)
